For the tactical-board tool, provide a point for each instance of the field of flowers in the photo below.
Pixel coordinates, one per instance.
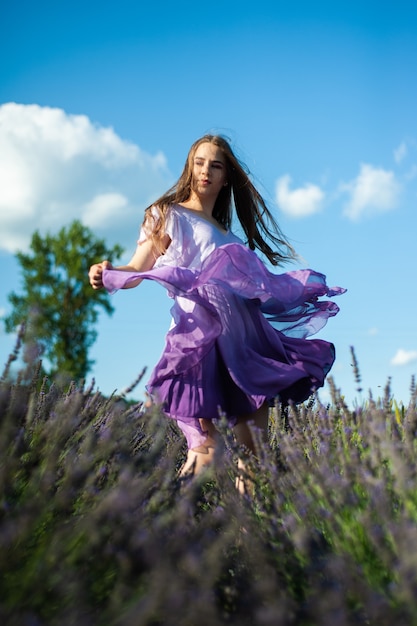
(96, 528)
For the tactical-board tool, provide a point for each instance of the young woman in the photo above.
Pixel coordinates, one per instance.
(239, 333)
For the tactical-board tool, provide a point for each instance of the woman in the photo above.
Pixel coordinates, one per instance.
(238, 336)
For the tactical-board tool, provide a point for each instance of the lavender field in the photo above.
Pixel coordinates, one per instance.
(96, 529)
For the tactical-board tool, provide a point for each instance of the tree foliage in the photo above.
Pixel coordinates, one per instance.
(58, 305)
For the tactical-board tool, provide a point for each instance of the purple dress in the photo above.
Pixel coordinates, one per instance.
(239, 332)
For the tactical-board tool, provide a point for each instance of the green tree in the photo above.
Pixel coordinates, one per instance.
(58, 305)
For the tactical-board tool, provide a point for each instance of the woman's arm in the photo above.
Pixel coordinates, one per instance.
(143, 260)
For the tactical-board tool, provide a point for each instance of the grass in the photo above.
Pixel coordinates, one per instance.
(96, 528)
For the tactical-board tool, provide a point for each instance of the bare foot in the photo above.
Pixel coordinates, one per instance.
(198, 458)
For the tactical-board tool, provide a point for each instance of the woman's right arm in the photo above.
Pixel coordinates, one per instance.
(143, 260)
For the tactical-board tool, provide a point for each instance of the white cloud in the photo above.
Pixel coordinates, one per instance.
(404, 357)
(374, 191)
(299, 202)
(56, 167)
(401, 152)
(102, 209)
(373, 331)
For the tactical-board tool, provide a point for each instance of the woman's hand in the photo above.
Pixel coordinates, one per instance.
(143, 260)
(95, 274)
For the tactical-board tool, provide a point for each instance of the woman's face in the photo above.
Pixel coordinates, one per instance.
(208, 170)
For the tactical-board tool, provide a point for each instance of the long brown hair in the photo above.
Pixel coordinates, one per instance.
(253, 214)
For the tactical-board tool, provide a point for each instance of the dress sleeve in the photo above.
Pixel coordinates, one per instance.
(176, 228)
(151, 219)
(173, 228)
(171, 225)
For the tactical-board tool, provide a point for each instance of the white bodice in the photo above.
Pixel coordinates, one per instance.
(192, 236)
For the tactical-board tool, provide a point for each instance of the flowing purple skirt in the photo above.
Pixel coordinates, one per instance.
(238, 336)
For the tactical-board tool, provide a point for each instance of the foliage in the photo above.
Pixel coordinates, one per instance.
(58, 306)
(96, 528)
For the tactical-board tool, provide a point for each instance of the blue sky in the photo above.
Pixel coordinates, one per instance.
(99, 103)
